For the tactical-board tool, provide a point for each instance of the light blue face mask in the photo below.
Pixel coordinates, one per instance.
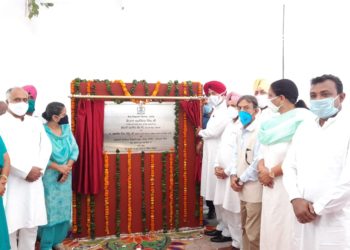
(245, 117)
(324, 108)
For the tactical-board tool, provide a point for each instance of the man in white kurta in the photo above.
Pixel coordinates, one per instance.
(317, 171)
(211, 136)
(29, 149)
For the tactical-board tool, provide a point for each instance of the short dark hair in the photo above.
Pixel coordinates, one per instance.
(323, 78)
(53, 108)
(249, 98)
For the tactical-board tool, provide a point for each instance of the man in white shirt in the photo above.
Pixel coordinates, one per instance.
(316, 171)
(244, 176)
(29, 149)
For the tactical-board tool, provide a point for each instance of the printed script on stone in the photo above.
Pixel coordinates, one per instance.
(141, 127)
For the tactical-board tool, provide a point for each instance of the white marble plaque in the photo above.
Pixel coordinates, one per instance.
(149, 127)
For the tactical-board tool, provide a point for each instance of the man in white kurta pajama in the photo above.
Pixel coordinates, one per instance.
(30, 150)
(316, 171)
(211, 136)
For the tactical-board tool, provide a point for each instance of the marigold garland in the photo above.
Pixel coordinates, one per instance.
(152, 193)
(129, 193)
(171, 188)
(88, 87)
(164, 195)
(106, 192)
(92, 213)
(74, 213)
(129, 93)
(79, 217)
(176, 162)
(117, 183)
(185, 181)
(200, 93)
(143, 210)
(88, 216)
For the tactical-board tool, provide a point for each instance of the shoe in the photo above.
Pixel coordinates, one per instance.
(213, 233)
(211, 214)
(228, 248)
(220, 239)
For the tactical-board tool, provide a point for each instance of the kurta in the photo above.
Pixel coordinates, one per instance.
(226, 158)
(58, 196)
(317, 168)
(28, 146)
(4, 242)
(211, 136)
(277, 216)
(231, 201)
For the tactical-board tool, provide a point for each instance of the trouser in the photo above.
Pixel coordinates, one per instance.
(23, 239)
(251, 220)
(234, 225)
(222, 224)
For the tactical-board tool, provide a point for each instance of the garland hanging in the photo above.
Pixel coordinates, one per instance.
(106, 192)
(88, 87)
(152, 193)
(88, 216)
(117, 184)
(190, 88)
(176, 174)
(143, 212)
(74, 213)
(92, 213)
(200, 198)
(164, 195)
(129, 193)
(185, 181)
(79, 217)
(171, 188)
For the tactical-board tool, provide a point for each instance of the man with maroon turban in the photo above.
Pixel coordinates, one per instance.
(211, 135)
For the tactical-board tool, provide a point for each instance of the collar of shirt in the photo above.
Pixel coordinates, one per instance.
(251, 127)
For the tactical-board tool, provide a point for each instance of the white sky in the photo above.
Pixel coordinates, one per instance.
(200, 40)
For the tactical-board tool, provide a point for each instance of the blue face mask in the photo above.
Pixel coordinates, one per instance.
(245, 117)
(324, 108)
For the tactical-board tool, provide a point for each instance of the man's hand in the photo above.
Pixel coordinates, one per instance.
(234, 184)
(302, 210)
(2, 189)
(198, 130)
(264, 176)
(199, 147)
(220, 173)
(34, 174)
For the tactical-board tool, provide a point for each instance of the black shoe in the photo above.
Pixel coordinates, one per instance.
(212, 233)
(220, 239)
(211, 214)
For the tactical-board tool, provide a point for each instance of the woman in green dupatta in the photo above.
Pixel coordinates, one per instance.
(4, 172)
(275, 136)
(57, 178)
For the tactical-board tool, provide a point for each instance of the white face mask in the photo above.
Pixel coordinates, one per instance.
(232, 112)
(215, 100)
(18, 108)
(272, 106)
(263, 100)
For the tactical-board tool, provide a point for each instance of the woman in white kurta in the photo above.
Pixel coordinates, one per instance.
(275, 137)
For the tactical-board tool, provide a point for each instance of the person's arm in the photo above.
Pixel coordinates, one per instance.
(251, 173)
(337, 196)
(5, 171)
(215, 127)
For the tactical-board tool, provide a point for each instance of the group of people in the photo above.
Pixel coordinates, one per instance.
(277, 170)
(36, 162)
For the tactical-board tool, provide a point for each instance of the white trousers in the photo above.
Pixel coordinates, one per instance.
(233, 221)
(222, 226)
(23, 239)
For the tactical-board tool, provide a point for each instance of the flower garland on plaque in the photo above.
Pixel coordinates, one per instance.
(106, 192)
(117, 186)
(164, 195)
(129, 193)
(152, 193)
(185, 183)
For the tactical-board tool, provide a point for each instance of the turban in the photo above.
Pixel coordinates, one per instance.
(261, 84)
(232, 96)
(31, 90)
(216, 86)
